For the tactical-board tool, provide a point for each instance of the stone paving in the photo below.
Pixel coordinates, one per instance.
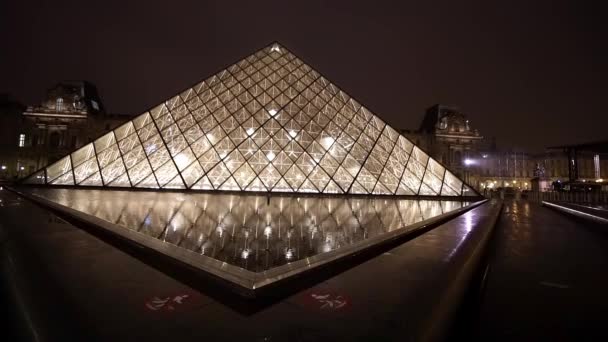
(548, 278)
(76, 286)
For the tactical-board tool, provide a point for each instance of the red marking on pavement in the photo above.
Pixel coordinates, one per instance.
(173, 303)
(323, 300)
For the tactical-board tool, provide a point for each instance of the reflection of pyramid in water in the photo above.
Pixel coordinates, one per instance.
(266, 123)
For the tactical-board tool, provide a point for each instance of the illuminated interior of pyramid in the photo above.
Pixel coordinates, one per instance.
(268, 123)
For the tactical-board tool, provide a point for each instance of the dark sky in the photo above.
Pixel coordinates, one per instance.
(531, 73)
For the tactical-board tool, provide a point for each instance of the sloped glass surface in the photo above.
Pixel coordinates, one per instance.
(269, 123)
(256, 233)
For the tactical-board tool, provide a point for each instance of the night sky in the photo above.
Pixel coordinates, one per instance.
(530, 73)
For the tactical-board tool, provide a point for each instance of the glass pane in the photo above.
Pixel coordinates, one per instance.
(104, 142)
(66, 179)
(453, 183)
(124, 130)
(113, 171)
(85, 170)
(58, 168)
(82, 154)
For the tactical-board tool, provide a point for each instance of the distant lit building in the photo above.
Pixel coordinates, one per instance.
(497, 168)
(450, 138)
(70, 116)
(448, 135)
(10, 119)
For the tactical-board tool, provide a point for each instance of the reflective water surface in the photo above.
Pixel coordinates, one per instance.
(256, 233)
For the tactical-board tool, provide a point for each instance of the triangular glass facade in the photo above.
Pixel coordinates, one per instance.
(269, 123)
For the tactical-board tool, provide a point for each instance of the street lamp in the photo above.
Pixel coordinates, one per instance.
(467, 163)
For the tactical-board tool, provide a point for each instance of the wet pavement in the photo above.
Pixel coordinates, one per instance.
(71, 285)
(548, 278)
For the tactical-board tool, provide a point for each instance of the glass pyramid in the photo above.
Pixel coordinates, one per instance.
(269, 123)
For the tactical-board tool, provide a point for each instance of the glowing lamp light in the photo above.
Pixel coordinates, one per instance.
(245, 253)
(293, 133)
(599, 180)
(270, 156)
(250, 131)
(3, 167)
(275, 49)
(182, 161)
(22, 168)
(267, 231)
(327, 142)
(151, 148)
(289, 253)
(272, 112)
(469, 162)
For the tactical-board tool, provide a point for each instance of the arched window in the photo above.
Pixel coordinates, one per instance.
(59, 104)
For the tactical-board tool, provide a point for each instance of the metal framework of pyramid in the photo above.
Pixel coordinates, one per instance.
(269, 123)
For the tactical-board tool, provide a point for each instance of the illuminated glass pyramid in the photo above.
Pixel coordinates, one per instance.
(267, 123)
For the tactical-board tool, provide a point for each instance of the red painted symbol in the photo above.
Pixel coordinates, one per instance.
(329, 301)
(324, 300)
(167, 304)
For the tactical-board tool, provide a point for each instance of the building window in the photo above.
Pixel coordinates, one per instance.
(21, 140)
(59, 104)
(54, 140)
(596, 166)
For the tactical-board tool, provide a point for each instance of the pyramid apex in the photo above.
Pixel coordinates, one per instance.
(276, 47)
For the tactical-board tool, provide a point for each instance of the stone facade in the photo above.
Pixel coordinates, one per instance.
(448, 135)
(70, 115)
